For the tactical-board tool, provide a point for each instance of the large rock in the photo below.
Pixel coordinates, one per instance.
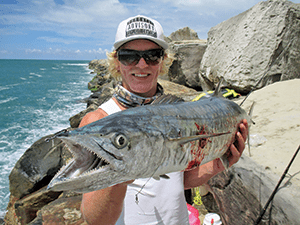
(185, 68)
(37, 166)
(64, 210)
(242, 192)
(263, 39)
(185, 33)
(102, 86)
(188, 50)
(28, 179)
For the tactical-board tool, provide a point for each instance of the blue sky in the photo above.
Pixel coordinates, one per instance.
(85, 29)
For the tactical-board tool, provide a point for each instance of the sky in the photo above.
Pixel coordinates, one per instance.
(85, 29)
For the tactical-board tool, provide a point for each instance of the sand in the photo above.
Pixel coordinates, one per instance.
(275, 136)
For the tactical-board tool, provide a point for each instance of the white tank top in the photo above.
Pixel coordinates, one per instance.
(158, 202)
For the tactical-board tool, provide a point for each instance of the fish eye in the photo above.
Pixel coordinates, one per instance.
(120, 141)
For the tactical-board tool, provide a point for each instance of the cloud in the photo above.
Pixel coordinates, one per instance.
(33, 51)
(90, 19)
(77, 26)
(3, 51)
(73, 18)
(58, 40)
(60, 51)
(96, 51)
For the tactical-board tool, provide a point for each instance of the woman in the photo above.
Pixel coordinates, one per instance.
(139, 58)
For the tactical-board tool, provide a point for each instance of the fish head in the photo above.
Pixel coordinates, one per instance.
(107, 157)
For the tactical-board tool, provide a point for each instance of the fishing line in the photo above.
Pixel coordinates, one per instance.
(288, 182)
(136, 195)
(276, 188)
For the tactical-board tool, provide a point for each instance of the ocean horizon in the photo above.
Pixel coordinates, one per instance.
(37, 98)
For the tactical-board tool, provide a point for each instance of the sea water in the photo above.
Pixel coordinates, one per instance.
(37, 98)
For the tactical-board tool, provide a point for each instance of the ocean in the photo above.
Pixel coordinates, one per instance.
(37, 98)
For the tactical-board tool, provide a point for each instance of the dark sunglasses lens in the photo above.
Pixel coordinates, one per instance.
(128, 58)
(152, 57)
(132, 57)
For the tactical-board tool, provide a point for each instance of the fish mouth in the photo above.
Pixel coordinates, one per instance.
(84, 162)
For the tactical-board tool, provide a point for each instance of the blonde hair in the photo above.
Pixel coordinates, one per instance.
(112, 62)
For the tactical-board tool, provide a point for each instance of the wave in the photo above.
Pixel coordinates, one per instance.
(37, 114)
(2, 88)
(75, 64)
(35, 74)
(8, 100)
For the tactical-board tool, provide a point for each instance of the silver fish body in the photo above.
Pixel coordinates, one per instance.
(148, 141)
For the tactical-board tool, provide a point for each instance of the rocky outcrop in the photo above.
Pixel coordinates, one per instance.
(185, 68)
(188, 50)
(29, 178)
(185, 33)
(102, 86)
(242, 191)
(262, 40)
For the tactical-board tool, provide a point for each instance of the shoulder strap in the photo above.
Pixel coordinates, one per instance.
(110, 107)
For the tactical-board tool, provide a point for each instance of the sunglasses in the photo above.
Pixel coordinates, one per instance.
(130, 57)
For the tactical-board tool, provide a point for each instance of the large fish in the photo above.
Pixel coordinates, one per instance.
(148, 141)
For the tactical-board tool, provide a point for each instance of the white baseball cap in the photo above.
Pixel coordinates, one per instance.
(140, 27)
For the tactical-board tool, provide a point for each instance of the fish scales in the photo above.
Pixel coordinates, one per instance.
(148, 141)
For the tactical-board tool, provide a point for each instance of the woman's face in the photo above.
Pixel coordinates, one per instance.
(141, 78)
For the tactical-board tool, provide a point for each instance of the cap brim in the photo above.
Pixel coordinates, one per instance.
(159, 42)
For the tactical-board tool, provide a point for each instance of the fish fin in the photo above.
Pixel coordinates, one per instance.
(156, 177)
(251, 112)
(183, 140)
(225, 161)
(167, 99)
(250, 115)
(248, 142)
(217, 92)
(164, 176)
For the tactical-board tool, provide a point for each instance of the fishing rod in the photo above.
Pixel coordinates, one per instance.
(276, 188)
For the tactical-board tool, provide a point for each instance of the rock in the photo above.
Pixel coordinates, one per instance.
(185, 68)
(241, 190)
(179, 90)
(37, 166)
(93, 102)
(102, 86)
(61, 211)
(27, 207)
(185, 33)
(33, 171)
(98, 65)
(245, 47)
(102, 78)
